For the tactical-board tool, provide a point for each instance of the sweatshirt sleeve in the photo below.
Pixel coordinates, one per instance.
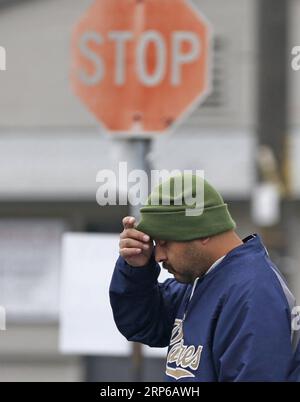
(252, 339)
(144, 310)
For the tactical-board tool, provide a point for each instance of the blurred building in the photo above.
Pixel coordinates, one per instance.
(51, 149)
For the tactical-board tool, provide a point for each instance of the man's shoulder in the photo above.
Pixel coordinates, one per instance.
(252, 277)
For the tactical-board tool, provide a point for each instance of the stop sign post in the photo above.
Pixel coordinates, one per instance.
(141, 66)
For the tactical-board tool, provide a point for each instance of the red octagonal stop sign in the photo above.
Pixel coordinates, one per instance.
(141, 65)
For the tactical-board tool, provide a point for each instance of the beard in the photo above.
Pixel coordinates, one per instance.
(184, 277)
(168, 267)
(192, 264)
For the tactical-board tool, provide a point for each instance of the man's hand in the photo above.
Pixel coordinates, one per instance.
(135, 247)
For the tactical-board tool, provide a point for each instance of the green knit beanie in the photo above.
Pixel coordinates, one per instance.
(183, 208)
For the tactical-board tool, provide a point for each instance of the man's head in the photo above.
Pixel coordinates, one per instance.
(185, 260)
(187, 244)
(188, 260)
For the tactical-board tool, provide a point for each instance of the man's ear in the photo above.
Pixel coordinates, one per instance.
(204, 240)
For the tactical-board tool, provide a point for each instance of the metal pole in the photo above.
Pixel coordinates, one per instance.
(141, 148)
(272, 111)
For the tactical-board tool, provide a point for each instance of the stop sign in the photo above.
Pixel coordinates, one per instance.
(141, 65)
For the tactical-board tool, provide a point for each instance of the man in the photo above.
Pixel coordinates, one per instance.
(226, 315)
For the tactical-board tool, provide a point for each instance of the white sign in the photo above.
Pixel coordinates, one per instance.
(86, 320)
(29, 268)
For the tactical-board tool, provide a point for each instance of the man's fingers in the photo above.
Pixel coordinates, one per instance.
(134, 234)
(134, 246)
(126, 243)
(129, 252)
(128, 222)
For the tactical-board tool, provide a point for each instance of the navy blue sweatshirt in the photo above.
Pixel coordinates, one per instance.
(234, 324)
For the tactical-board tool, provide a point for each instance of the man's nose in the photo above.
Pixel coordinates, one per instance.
(160, 255)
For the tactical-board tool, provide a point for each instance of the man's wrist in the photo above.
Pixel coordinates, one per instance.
(149, 270)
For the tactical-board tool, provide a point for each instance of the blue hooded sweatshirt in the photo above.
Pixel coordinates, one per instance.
(232, 324)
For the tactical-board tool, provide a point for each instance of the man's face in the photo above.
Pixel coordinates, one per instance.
(185, 260)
